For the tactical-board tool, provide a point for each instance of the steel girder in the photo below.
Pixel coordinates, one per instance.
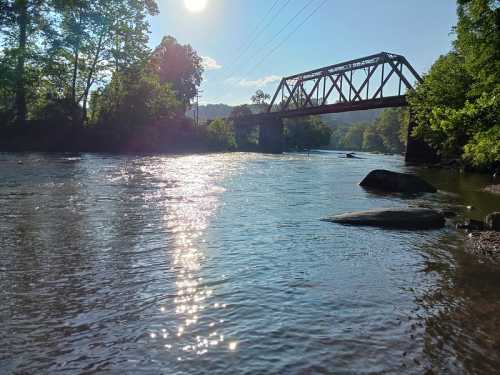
(312, 92)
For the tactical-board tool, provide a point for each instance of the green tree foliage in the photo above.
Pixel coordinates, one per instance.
(246, 136)
(445, 87)
(96, 39)
(307, 133)
(386, 134)
(260, 97)
(479, 122)
(180, 66)
(241, 111)
(353, 138)
(220, 135)
(7, 90)
(135, 98)
(21, 26)
(391, 128)
(260, 100)
(372, 141)
(64, 49)
(456, 107)
(478, 41)
(60, 59)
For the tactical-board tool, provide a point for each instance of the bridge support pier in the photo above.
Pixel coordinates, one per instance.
(271, 135)
(417, 151)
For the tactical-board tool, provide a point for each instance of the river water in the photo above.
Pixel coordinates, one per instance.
(219, 264)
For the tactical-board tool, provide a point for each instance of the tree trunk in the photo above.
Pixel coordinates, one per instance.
(75, 74)
(22, 21)
(90, 77)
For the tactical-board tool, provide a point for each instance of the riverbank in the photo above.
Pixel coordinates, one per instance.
(470, 197)
(178, 137)
(485, 245)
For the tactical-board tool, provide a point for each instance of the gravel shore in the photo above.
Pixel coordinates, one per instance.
(484, 244)
(495, 189)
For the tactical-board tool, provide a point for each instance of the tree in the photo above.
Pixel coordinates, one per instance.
(372, 140)
(478, 41)
(246, 136)
(135, 98)
(389, 126)
(96, 39)
(307, 133)
(7, 89)
(353, 139)
(180, 66)
(220, 135)
(446, 86)
(241, 111)
(260, 98)
(20, 22)
(479, 122)
(456, 107)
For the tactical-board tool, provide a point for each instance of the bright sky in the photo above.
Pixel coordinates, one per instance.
(237, 37)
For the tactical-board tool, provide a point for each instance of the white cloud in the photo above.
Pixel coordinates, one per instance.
(260, 82)
(210, 63)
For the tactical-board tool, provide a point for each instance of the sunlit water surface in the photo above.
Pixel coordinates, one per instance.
(219, 264)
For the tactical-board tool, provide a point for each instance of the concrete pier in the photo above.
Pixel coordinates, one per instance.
(271, 135)
(417, 151)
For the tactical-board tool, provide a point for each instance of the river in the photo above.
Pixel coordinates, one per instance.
(219, 264)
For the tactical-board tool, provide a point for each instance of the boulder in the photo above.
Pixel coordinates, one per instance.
(394, 182)
(471, 224)
(494, 189)
(493, 221)
(398, 218)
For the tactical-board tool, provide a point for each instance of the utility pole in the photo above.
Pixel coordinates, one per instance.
(197, 115)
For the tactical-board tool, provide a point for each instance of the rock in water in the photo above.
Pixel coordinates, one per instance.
(493, 221)
(394, 182)
(398, 218)
(471, 224)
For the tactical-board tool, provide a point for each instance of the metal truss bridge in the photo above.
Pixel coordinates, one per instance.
(377, 81)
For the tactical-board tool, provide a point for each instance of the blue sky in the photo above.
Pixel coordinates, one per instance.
(340, 30)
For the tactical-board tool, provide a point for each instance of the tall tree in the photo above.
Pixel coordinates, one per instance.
(307, 133)
(457, 105)
(98, 38)
(180, 66)
(389, 126)
(19, 22)
(478, 41)
(246, 136)
(21, 7)
(260, 97)
(240, 111)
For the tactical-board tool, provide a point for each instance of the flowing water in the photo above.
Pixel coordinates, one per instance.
(219, 264)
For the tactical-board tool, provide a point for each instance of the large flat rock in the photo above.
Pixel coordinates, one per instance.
(393, 182)
(399, 218)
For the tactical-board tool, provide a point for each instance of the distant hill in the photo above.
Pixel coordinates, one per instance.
(213, 111)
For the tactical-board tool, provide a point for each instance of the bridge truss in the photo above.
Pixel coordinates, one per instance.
(377, 81)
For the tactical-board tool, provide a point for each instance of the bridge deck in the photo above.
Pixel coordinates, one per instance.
(389, 102)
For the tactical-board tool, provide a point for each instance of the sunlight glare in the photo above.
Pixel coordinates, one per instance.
(195, 5)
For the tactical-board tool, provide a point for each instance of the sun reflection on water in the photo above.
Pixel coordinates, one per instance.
(196, 196)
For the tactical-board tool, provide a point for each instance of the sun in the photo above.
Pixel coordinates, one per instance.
(195, 5)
